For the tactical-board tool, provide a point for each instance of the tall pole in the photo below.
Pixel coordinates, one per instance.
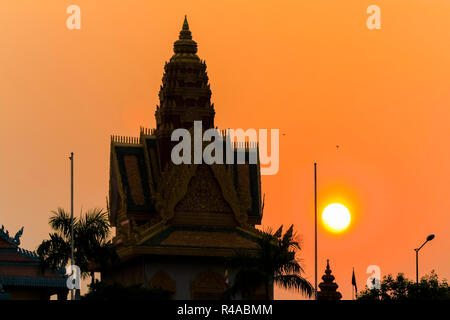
(315, 229)
(429, 238)
(71, 216)
(417, 265)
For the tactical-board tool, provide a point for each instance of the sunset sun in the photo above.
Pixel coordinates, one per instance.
(336, 217)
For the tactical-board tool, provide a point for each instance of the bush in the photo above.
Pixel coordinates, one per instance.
(401, 288)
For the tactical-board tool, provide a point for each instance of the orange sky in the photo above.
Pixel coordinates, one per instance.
(310, 68)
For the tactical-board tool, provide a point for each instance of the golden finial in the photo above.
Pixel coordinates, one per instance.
(185, 23)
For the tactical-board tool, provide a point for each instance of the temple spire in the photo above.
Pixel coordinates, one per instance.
(185, 23)
(185, 33)
(328, 288)
(185, 94)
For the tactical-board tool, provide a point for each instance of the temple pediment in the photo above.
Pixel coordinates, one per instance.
(204, 194)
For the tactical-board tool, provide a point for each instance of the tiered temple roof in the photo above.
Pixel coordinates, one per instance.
(20, 268)
(159, 207)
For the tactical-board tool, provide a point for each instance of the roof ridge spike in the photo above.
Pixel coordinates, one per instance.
(185, 24)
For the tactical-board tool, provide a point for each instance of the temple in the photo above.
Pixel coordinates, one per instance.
(21, 274)
(328, 288)
(177, 224)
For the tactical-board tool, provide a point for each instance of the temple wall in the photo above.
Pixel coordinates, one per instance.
(192, 280)
(196, 279)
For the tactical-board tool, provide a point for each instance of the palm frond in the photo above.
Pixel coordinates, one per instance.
(60, 222)
(278, 233)
(291, 267)
(55, 252)
(294, 282)
(275, 261)
(288, 240)
(246, 281)
(94, 225)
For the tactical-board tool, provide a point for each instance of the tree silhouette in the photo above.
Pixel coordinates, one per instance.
(401, 288)
(92, 250)
(274, 263)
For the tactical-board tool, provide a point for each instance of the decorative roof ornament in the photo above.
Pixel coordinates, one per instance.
(18, 235)
(15, 241)
(185, 44)
(185, 26)
(328, 287)
(27, 253)
(4, 234)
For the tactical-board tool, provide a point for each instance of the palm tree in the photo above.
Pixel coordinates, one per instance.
(273, 263)
(91, 246)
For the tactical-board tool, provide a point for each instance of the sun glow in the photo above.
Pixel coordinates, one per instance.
(336, 217)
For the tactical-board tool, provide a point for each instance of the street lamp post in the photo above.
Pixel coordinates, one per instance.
(71, 219)
(429, 238)
(315, 231)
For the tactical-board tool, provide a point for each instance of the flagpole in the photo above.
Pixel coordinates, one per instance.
(315, 230)
(71, 216)
(353, 272)
(354, 287)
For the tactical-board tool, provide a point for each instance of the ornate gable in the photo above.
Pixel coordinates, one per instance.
(212, 180)
(204, 194)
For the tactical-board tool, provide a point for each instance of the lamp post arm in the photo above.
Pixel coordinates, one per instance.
(422, 245)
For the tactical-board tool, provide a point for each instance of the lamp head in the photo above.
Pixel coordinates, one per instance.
(430, 237)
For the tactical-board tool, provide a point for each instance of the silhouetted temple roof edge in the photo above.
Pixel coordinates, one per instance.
(21, 256)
